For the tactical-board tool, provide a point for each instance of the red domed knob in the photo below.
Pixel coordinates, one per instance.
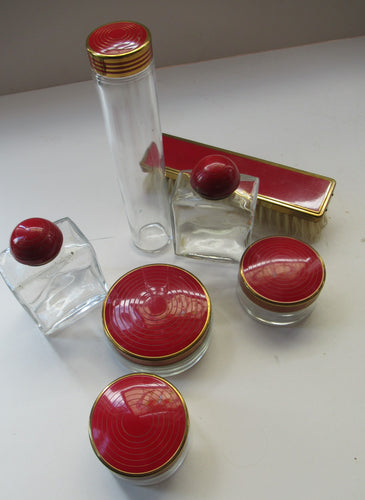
(35, 241)
(215, 177)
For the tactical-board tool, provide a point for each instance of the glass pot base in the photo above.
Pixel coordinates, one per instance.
(157, 477)
(168, 370)
(273, 318)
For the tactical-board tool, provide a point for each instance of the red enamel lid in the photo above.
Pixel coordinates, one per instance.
(35, 241)
(281, 272)
(119, 49)
(215, 177)
(138, 425)
(157, 314)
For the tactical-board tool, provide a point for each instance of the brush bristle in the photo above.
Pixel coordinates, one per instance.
(269, 221)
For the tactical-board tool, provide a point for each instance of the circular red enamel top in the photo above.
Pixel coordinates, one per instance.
(215, 177)
(156, 311)
(282, 270)
(118, 38)
(138, 424)
(35, 241)
(120, 49)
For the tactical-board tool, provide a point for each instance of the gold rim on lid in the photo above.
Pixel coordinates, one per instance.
(119, 49)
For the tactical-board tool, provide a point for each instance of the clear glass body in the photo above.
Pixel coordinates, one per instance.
(132, 122)
(160, 476)
(57, 293)
(273, 318)
(213, 229)
(168, 370)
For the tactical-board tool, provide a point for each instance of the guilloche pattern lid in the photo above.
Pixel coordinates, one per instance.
(281, 273)
(139, 425)
(157, 314)
(119, 49)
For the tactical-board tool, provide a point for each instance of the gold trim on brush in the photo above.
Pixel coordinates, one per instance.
(272, 203)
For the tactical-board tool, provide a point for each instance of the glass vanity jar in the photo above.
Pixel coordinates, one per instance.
(138, 428)
(157, 317)
(121, 59)
(52, 270)
(213, 208)
(280, 279)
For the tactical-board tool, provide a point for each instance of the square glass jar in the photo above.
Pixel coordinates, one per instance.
(58, 292)
(210, 228)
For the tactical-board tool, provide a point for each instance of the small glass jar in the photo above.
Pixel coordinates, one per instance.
(138, 428)
(122, 64)
(52, 270)
(158, 317)
(280, 279)
(212, 223)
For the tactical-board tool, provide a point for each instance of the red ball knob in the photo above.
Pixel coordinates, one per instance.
(35, 241)
(215, 177)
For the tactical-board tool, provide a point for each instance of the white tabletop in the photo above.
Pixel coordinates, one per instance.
(275, 413)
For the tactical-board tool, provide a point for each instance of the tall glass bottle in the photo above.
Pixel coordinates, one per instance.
(121, 58)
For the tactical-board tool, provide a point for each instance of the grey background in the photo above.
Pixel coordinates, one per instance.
(42, 42)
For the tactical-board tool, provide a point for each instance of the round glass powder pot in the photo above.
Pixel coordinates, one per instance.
(280, 279)
(158, 316)
(139, 427)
